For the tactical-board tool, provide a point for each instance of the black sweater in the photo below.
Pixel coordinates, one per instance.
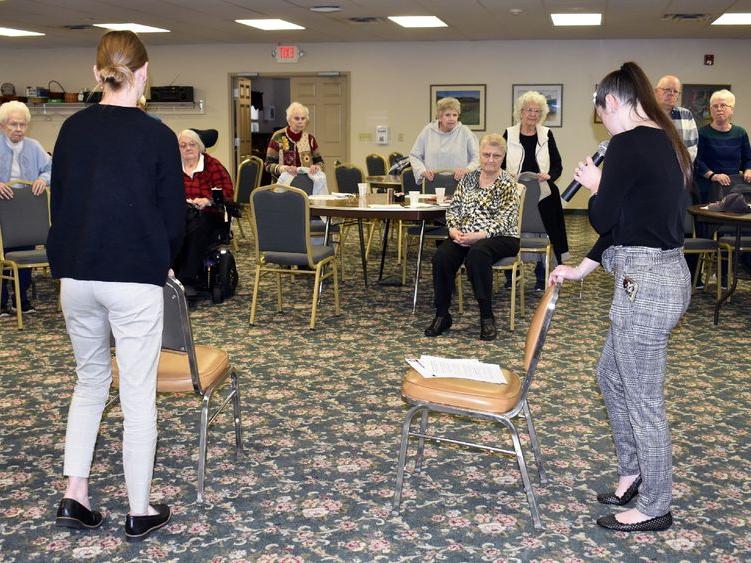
(642, 199)
(118, 204)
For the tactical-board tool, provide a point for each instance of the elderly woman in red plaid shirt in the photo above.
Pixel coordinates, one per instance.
(201, 173)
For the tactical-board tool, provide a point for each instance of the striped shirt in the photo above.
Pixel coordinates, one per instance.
(684, 122)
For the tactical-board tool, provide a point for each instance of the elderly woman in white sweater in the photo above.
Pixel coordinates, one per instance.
(444, 144)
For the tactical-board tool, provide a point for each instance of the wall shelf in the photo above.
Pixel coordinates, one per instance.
(159, 108)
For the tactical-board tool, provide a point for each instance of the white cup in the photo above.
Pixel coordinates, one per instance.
(440, 195)
(362, 188)
(414, 199)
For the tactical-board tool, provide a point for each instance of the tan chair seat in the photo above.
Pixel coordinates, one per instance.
(174, 372)
(463, 393)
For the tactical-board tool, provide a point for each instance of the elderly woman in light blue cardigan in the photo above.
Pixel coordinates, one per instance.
(444, 144)
(21, 158)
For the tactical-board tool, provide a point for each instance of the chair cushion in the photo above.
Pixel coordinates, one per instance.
(530, 243)
(27, 256)
(173, 375)
(699, 244)
(297, 258)
(727, 239)
(505, 261)
(463, 393)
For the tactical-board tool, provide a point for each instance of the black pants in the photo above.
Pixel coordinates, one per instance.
(478, 259)
(200, 230)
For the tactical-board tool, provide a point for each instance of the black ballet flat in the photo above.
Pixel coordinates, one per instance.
(72, 514)
(656, 524)
(138, 528)
(628, 496)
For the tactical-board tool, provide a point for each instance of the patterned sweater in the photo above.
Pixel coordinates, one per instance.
(291, 149)
(494, 209)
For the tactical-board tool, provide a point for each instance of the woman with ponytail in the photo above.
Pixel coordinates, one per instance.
(118, 214)
(637, 206)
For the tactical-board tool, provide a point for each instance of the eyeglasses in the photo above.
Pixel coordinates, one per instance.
(491, 156)
(671, 91)
(720, 106)
(532, 110)
(188, 145)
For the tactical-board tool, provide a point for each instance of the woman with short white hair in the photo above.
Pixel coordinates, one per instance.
(21, 158)
(532, 148)
(444, 144)
(293, 147)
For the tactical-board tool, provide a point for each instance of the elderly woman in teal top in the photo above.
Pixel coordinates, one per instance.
(723, 148)
(21, 158)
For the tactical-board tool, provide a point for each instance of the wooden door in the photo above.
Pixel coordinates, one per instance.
(327, 99)
(242, 137)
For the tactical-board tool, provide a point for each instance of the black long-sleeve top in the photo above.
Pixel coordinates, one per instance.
(642, 198)
(117, 206)
(529, 143)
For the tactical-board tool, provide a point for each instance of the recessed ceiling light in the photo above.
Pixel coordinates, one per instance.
(326, 9)
(270, 24)
(576, 19)
(10, 32)
(733, 19)
(418, 21)
(134, 27)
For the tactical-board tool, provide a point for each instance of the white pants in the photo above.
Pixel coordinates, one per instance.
(134, 313)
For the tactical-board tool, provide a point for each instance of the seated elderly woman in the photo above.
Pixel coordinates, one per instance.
(483, 228)
(292, 147)
(201, 173)
(21, 158)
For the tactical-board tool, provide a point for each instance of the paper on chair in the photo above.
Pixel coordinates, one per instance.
(463, 368)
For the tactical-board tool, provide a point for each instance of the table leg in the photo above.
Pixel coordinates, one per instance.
(419, 261)
(383, 247)
(362, 252)
(731, 289)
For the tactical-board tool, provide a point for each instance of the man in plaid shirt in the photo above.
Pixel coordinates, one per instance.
(668, 91)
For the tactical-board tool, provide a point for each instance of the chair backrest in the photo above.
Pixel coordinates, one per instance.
(281, 217)
(395, 157)
(441, 179)
(408, 181)
(177, 334)
(347, 178)
(25, 218)
(538, 330)
(375, 164)
(521, 191)
(304, 182)
(248, 178)
(531, 220)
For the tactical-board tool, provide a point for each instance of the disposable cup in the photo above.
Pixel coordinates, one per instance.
(440, 195)
(414, 199)
(362, 188)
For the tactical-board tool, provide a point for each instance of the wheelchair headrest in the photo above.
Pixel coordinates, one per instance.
(208, 136)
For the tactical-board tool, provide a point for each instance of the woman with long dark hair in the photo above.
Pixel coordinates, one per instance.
(637, 206)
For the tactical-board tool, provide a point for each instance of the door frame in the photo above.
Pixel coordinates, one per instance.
(250, 74)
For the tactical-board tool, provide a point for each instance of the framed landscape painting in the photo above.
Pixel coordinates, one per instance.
(553, 94)
(695, 97)
(470, 96)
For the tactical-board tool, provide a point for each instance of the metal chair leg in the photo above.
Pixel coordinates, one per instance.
(535, 443)
(314, 309)
(254, 300)
(421, 441)
(402, 458)
(335, 266)
(239, 449)
(531, 500)
(202, 444)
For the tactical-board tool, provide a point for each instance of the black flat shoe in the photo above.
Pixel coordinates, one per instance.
(72, 514)
(138, 528)
(439, 325)
(612, 498)
(656, 524)
(487, 329)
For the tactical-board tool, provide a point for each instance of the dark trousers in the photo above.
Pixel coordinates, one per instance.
(200, 231)
(478, 259)
(24, 279)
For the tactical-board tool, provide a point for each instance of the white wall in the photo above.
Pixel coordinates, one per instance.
(390, 81)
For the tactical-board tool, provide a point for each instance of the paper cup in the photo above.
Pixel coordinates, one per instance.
(414, 199)
(362, 188)
(440, 195)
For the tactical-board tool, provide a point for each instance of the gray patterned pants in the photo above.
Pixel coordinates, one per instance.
(631, 370)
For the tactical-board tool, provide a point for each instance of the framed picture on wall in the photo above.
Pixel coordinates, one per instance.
(470, 96)
(553, 94)
(695, 97)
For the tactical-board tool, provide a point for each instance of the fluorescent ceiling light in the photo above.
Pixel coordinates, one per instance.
(270, 24)
(10, 32)
(733, 19)
(328, 9)
(576, 19)
(134, 27)
(418, 21)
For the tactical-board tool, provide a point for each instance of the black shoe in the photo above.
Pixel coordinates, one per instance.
(656, 524)
(138, 528)
(27, 308)
(507, 284)
(612, 498)
(700, 285)
(487, 329)
(72, 514)
(7, 311)
(539, 286)
(439, 325)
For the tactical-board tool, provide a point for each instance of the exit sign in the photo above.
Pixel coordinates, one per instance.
(287, 53)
